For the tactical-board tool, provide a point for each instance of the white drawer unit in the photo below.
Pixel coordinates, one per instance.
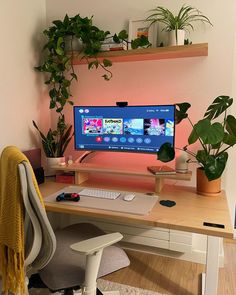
(149, 236)
(180, 241)
(149, 232)
(151, 242)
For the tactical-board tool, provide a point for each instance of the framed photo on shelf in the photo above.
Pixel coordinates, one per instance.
(142, 27)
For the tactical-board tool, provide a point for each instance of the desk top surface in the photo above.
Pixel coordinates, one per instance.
(189, 213)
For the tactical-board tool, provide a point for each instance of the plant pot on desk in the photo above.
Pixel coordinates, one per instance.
(53, 162)
(206, 187)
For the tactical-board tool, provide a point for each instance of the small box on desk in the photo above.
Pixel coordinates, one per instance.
(66, 177)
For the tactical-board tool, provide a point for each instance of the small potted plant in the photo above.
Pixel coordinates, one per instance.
(55, 143)
(178, 24)
(215, 138)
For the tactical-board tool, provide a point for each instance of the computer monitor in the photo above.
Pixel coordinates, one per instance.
(140, 129)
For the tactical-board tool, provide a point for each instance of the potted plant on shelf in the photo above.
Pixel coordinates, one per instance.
(215, 138)
(178, 24)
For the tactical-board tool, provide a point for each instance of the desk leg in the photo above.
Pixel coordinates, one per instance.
(210, 278)
(159, 182)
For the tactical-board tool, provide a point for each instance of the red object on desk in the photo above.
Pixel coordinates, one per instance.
(65, 178)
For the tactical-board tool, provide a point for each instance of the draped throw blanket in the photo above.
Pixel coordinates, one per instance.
(12, 221)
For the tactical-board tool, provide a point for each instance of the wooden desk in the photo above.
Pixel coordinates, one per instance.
(190, 212)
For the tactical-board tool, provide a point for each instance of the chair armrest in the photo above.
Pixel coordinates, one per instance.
(92, 245)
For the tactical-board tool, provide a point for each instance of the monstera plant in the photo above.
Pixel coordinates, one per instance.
(215, 132)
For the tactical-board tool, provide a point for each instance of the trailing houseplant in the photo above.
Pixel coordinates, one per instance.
(215, 132)
(177, 24)
(60, 73)
(57, 63)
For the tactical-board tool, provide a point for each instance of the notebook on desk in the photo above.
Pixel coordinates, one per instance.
(142, 204)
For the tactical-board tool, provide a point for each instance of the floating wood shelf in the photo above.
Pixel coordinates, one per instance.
(168, 52)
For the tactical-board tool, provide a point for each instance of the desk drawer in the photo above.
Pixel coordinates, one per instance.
(180, 237)
(180, 241)
(151, 232)
(146, 241)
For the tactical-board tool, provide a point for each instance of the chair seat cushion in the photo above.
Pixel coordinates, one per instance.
(67, 268)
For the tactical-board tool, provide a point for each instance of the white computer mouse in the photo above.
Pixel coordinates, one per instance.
(129, 197)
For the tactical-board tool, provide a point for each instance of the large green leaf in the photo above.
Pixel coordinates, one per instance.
(231, 125)
(229, 139)
(219, 105)
(166, 152)
(207, 132)
(181, 111)
(202, 156)
(59, 49)
(214, 166)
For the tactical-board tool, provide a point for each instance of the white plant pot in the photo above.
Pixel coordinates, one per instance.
(173, 41)
(53, 162)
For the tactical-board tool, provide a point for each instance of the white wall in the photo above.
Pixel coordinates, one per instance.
(196, 80)
(21, 89)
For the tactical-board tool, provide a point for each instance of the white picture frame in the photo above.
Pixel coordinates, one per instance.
(138, 27)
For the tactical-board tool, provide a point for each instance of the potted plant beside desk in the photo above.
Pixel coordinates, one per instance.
(215, 138)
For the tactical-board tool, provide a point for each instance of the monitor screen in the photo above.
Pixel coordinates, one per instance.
(129, 129)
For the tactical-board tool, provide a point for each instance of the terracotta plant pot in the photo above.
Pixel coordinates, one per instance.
(206, 187)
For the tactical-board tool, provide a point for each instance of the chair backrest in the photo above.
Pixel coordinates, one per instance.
(40, 241)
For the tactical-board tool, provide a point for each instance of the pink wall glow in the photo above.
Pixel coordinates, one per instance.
(138, 83)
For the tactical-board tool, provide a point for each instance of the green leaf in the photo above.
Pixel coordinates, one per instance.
(52, 104)
(53, 93)
(142, 42)
(93, 64)
(123, 35)
(181, 111)
(59, 49)
(231, 125)
(229, 139)
(58, 23)
(166, 152)
(219, 105)
(74, 76)
(215, 166)
(58, 110)
(107, 63)
(209, 134)
(105, 76)
(116, 39)
(66, 20)
(66, 83)
(202, 157)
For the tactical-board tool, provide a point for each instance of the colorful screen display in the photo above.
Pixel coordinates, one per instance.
(130, 129)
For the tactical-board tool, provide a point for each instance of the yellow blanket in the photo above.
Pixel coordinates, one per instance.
(11, 221)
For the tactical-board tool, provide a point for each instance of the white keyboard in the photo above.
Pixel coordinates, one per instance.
(97, 193)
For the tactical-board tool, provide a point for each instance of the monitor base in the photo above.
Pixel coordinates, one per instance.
(83, 156)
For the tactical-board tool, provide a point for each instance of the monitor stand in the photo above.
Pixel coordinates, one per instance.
(83, 156)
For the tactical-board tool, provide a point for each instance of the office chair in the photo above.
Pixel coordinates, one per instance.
(72, 258)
